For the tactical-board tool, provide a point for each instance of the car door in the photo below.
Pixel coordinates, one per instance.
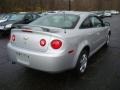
(99, 28)
(90, 33)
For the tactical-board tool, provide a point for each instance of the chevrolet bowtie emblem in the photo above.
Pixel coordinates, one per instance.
(26, 38)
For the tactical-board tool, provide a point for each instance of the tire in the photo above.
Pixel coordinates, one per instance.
(82, 63)
(108, 41)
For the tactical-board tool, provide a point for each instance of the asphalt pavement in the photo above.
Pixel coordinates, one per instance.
(103, 71)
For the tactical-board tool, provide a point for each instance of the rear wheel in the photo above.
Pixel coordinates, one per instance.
(82, 62)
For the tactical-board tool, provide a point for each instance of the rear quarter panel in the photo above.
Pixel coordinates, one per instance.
(76, 40)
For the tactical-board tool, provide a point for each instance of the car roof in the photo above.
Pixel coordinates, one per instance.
(82, 14)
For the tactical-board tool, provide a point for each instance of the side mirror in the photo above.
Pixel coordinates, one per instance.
(106, 24)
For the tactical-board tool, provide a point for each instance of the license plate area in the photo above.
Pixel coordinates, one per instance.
(23, 58)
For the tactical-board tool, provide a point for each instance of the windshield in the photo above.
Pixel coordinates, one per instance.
(65, 21)
(16, 17)
(2, 17)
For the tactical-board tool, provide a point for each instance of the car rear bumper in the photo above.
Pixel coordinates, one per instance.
(41, 61)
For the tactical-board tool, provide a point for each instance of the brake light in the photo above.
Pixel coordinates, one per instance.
(13, 37)
(56, 44)
(42, 42)
(25, 29)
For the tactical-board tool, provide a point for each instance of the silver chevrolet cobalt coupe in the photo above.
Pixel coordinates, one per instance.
(58, 42)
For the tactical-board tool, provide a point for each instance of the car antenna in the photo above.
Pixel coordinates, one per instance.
(64, 22)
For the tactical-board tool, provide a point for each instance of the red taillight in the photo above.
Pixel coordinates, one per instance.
(56, 44)
(42, 42)
(13, 37)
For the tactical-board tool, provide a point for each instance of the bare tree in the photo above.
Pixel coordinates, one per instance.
(41, 5)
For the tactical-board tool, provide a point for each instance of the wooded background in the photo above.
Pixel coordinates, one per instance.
(41, 5)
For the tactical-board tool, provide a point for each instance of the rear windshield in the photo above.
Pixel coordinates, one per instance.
(16, 17)
(65, 21)
(2, 17)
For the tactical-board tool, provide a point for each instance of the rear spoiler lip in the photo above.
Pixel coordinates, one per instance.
(25, 30)
(43, 28)
(37, 31)
(49, 29)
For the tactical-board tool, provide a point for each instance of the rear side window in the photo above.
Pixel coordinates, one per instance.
(96, 22)
(86, 24)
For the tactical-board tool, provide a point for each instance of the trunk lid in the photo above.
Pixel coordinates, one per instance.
(29, 38)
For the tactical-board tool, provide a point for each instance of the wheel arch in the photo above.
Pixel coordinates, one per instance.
(87, 48)
(81, 47)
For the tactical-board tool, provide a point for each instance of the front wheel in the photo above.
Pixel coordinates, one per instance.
(82, 62)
